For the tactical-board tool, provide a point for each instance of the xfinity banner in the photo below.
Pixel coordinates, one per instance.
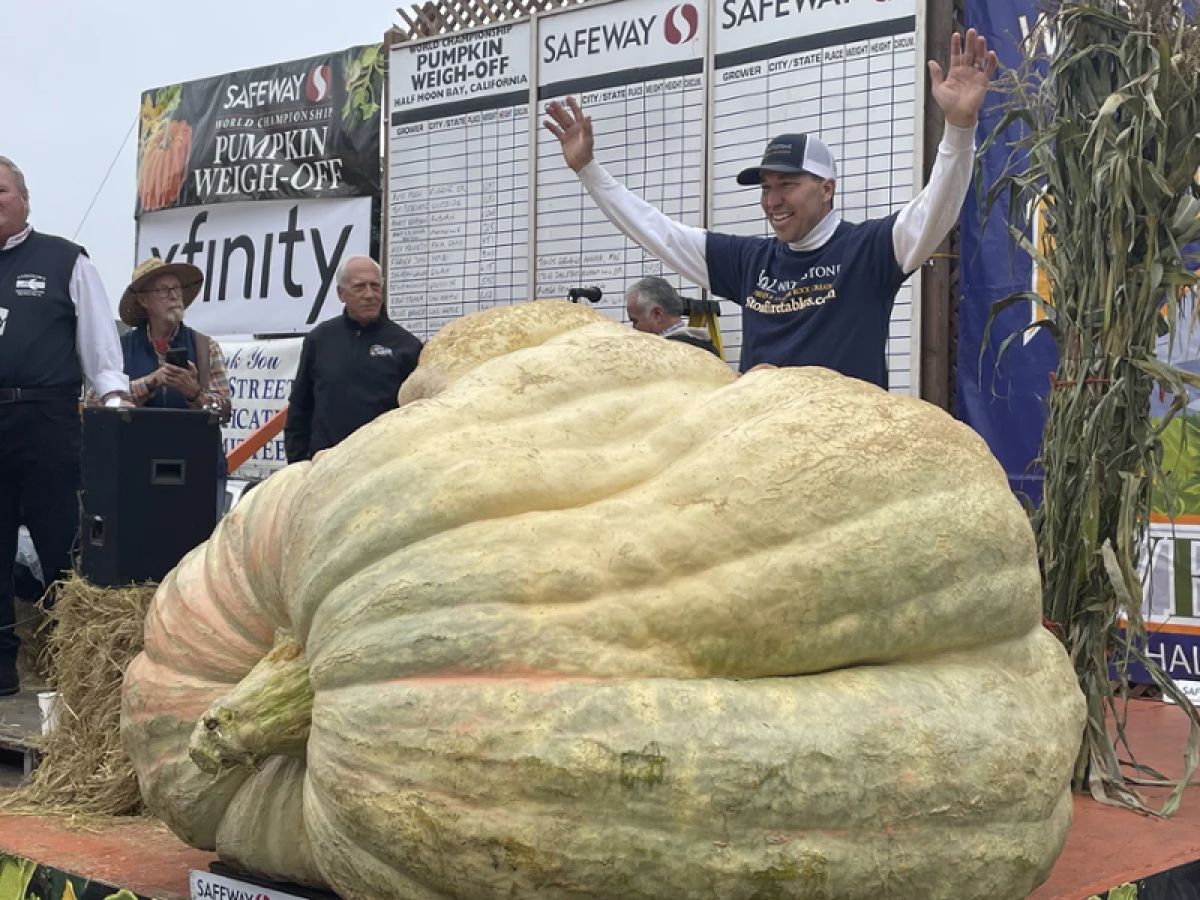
(269, 267)
(308, 128)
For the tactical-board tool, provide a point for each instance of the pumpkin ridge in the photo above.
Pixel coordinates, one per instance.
(454, 846)
(600, 499)
(575, 504)
(714, 431)
(960, 631)
(229, 589)
(381, 878)
(211, 647)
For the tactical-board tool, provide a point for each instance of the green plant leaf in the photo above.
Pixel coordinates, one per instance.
(1107, 142)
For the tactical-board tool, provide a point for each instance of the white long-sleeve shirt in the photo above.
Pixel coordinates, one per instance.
(96, 338)
(920, 226)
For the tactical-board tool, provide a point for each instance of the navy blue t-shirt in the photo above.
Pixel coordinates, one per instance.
(826, 307)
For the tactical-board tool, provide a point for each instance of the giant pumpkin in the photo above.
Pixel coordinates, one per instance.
(595, 618)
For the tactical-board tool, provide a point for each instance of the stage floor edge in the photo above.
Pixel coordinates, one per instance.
(1109, 846)
(139, 855)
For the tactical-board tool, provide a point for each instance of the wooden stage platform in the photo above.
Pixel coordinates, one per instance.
(20, 733)
(1107, 847)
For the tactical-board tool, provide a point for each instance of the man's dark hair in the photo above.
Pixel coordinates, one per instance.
(653, 291)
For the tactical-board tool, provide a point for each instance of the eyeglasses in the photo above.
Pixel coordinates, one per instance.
(162, 293)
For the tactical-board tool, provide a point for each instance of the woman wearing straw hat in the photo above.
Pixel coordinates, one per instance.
(154, 304)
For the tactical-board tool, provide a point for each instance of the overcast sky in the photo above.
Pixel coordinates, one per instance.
(71, 77)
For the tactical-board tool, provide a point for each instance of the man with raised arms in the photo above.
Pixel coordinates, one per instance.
(820, 293)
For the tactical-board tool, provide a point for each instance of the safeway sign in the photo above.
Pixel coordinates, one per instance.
(206, 886)
(269, 266)
(616, 37)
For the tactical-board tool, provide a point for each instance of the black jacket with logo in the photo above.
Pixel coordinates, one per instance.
(348, 375)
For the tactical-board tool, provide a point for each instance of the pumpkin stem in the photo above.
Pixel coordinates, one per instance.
(267, 714)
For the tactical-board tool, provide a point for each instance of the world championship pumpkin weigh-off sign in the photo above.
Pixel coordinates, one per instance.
(304, 129)
(265, 179)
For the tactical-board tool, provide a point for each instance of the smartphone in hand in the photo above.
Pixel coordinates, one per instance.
(177, 356)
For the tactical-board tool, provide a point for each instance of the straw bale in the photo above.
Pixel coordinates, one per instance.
(95, 633)
(33, 658)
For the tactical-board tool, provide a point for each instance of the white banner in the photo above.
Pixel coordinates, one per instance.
(260, 380)
(643, 35)
(743, 24)
(458, 68)
(269, 267)
(206, 886)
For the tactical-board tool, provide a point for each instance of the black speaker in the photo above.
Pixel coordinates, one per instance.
(149, 490)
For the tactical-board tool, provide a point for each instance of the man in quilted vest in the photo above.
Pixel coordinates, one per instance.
(56, 326)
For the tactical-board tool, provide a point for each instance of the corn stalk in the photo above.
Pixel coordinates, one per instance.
(1109, 145)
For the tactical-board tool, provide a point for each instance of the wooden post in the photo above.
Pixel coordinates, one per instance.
(939, 277)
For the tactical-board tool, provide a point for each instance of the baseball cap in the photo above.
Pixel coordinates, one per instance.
(792, 153)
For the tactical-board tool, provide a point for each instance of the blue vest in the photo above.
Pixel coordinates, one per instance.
(141, 359)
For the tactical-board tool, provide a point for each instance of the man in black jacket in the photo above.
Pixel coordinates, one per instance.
(351, 367)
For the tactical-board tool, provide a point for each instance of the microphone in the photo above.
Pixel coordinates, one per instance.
(591, 294)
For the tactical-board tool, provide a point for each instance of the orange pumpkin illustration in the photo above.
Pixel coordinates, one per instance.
(165, 155)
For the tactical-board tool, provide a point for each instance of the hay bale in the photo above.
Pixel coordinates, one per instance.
(96, 632)
(33, 661)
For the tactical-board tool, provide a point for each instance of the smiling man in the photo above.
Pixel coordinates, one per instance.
(820, 293)
(351, 367)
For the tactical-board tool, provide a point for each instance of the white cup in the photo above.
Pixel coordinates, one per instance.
(48, 705)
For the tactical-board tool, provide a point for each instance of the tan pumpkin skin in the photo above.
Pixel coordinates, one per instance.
(564, 619)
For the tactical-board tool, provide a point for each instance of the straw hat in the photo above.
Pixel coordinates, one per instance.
(130, 310)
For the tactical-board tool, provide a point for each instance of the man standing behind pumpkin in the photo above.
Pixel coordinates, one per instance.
(820, 293)
(655, 307)
(154, 304)
(351, 367)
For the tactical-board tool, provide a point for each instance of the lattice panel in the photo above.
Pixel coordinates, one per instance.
(434, 17)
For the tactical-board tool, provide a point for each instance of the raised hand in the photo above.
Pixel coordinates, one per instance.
(573, 130)
(961, 90)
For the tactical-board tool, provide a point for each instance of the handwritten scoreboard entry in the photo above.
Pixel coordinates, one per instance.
(683, 95)
(458, 175)
(637, 67)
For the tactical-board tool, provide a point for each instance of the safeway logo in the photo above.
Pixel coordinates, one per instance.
(316, 85)
(205, 886)
(681, 23)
